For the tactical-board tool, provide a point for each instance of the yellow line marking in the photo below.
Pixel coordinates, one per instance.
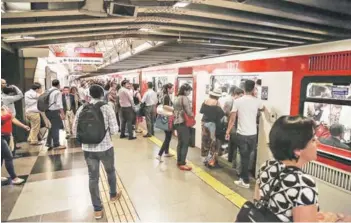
(229, 194)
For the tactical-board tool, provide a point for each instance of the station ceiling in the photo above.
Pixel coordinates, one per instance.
(201, 29)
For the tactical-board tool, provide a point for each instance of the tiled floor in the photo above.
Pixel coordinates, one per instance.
(56, 188)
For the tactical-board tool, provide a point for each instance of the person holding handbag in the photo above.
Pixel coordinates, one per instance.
(168, 111)
(183, 118)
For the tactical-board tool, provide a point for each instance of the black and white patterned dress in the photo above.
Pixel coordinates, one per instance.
(296, 189)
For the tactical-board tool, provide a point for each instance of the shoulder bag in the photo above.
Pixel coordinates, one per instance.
(188, 120)
(258, 211)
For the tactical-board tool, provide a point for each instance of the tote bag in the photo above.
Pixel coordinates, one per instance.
(189, 120)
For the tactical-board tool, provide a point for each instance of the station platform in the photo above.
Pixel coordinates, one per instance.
(56, 187)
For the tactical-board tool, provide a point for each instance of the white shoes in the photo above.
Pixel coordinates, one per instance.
(3, 179)
(241, 183)
(17, 181)
(159, 158)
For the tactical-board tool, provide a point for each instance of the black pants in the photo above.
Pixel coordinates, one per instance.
(165, 145)
(127, 120)
(183, 143)
(53, 139)
(7, 156)
(246, 145)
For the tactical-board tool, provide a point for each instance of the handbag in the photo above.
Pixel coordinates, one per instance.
(189, 120)
(258, 211)
(162, 122)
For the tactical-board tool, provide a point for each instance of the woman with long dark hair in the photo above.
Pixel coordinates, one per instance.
(182, 105)
(167, 104)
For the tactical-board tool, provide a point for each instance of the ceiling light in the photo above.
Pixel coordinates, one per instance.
(28, 37)
(144, 30)
(19, 37)
(181, 4)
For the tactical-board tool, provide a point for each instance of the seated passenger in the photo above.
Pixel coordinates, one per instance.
(337, 133)
(211, 123)
(293, 144)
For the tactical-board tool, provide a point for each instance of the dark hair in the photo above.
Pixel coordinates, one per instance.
(166, 87)
(259, 82)
(55, 83)
(66, 87)
(336, 129)
(290, 133)
(232, 90)
(107, 86)
(214, 97)
(73, 87)
(9, 90)
(238, 91)
(136, 86)
(149, 85)
(124, 82)
(249, 86)
(185, 87)
(225, 89)
(118, 87)
(96, 91)
(35, 86)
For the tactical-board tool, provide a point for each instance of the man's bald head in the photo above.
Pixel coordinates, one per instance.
(3, 83)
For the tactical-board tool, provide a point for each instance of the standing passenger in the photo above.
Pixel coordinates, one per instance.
(137, 101)
(167, 105)
(245, 108)
(150, 100)
(104, 152)
(55, 114)
(32, 112)
(182, 105)
(127, 104)
(69, 108)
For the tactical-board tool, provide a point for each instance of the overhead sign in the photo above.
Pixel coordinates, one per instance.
(74, 60)
(75, 54)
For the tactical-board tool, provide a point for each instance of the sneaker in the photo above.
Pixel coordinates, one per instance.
(159, 158)
(169, 155)
(17, 181)
(147, 136)
(116, 198)
(3, 179)
(98, 214)
(122, 136)
(241, 183)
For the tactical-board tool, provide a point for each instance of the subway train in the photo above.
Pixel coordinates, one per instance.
(307, 80)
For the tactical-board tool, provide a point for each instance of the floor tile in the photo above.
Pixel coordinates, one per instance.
(78, 214)
(52, 196)
(23, 166)
(9, 196)
(60, 152)
(57, 174)
(58, 162)
(36, 218)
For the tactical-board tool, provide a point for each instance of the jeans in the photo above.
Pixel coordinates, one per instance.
(150, 119)
(246, 145)
(93, 162)
(165, 145)
(183, 143)
(53, 138)
(127, 119)
(7, 156)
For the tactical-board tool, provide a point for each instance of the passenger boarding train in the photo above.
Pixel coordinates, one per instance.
(311, 80)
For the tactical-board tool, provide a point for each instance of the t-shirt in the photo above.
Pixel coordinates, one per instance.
(247, 107)
(6, 124)
(295, 188)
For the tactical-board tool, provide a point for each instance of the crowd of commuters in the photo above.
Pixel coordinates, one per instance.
(121, 108)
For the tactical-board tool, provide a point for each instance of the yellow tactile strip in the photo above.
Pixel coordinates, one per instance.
(120, 211)
(229, 194)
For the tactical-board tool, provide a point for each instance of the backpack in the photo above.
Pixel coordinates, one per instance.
(135, 98)
(43, 101)
(91, 125)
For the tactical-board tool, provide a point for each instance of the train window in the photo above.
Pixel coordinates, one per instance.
(327, 101)
(328, 91)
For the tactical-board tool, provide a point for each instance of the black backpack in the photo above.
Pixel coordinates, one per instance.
(43, 101)
(91, 125)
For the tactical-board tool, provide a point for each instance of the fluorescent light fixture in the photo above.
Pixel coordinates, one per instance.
(28, 37)
(181, 4)
(144, 30)
(19, 37)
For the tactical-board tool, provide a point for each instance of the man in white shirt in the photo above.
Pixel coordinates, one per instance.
(150, 100)
(55, 114)
(32, 112)
(246, 109)
(9, 97)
